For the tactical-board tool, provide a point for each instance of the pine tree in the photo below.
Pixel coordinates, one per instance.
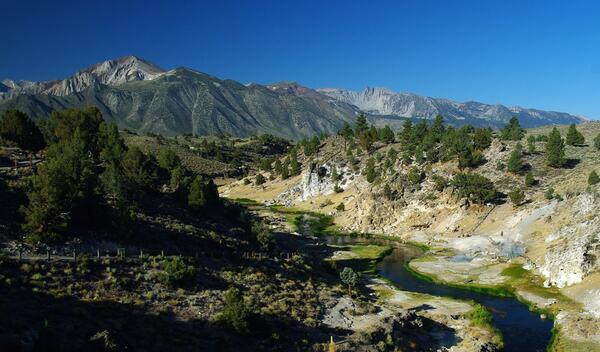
(574, 137)
(515, 164)
(531, 144)
(235, 313)
(513, 130)
(196, 196)
(350, 278)
(285, 170)
(294, 164)
(386, 135)
(365, 141)
(168, 159)
(517, 196)
(278, 168)
(259, 180)
(63, 190)
(361, 125)
(555, 149)
(529, 179)
(370, 171)
(597, 142)
(482, 138)
(17, 127)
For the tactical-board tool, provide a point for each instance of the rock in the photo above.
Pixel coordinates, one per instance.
(104, 341)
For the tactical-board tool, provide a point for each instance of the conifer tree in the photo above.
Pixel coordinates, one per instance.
(294, 164)
(515, 164)
(361, 125)
(513, 130)
(370, 171)
(597, 142)
(555, 149)
(529, 179)
(574, 137)
(17, 127)
(531, 144)
(350, 278)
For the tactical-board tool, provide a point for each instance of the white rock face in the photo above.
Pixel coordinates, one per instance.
(317, 181)
(111, 72)
(574, 249)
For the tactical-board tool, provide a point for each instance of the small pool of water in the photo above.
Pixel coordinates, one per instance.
(522, 329)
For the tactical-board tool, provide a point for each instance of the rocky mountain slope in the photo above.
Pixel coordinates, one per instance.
(142, 97)
(384, 102)
(111, 72)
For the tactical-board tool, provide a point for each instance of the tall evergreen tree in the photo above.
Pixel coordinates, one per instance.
(531, 144)
(555, 149)
(574, 137)
(361, 125)
(63, 190)
(294, 164)
(386, 135)
(515, 164)
(513, 130)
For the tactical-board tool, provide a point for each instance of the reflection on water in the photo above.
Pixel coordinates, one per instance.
(522, 330)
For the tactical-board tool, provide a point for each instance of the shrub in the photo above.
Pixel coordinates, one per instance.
(529, 179)
(338, 189)
(597, 142)
(439, 182)
(549, 194)
(415, 176)
(263, 235)
(259, 180)
(593, 179)
(517, 196)
(235, 313)
(474, 187)
(387, 192)
(176, 271)
(340, 207)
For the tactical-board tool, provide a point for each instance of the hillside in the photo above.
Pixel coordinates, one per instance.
(116, 242)
(475, 244)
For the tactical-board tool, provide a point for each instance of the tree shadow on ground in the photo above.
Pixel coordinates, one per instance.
(571, 163)
(41, 322)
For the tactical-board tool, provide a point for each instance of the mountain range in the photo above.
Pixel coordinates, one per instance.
(143, 97)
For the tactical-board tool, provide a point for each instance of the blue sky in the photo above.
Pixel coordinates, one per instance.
(543, 54)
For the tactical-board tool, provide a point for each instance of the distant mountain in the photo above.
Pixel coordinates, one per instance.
(384, 102)
(111, 72)
(140, 96)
